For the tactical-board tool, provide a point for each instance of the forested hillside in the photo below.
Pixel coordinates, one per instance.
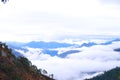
(19, 68)
(113, 74)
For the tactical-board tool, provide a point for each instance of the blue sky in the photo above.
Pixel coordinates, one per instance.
(25, 20)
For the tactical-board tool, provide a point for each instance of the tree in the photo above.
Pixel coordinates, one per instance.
(44, 72)
(0, 53)
(51, 76)
(34, 68)
(25, 62)
(39, 71)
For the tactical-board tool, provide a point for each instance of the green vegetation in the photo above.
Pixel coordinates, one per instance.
(20, 68)
(0, 53)
(113, 74)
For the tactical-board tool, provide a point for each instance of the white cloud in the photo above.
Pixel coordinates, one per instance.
(82, 40)
(65, 69)
(76, 66)
(34, 53)
(98, 52)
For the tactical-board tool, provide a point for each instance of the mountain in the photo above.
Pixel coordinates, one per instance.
(18, 68)
(117, 49)
(52, 48)
(63, 55)
(113, 74)
(46, 45)
(50, 52)
(88, 44)
(111, 41)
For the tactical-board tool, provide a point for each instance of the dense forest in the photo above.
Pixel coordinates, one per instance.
(113, 74)
(19, 68)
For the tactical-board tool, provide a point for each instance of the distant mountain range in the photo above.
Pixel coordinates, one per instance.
(64, 54)
(52, 48)
(46, 45)
(52, 45)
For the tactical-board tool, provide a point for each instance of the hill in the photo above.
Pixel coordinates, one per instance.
(113, 74)
(18, 68)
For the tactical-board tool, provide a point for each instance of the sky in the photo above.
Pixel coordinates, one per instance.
(27, 20)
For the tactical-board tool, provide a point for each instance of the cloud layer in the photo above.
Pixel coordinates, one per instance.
(79, 65)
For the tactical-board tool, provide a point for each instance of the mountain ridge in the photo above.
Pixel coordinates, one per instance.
(18, 68)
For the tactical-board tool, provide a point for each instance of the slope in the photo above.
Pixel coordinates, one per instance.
(18, 68)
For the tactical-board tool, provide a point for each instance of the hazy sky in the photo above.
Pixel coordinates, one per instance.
(24, 20)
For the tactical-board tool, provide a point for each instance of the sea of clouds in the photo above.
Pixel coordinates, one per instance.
(78, 66)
